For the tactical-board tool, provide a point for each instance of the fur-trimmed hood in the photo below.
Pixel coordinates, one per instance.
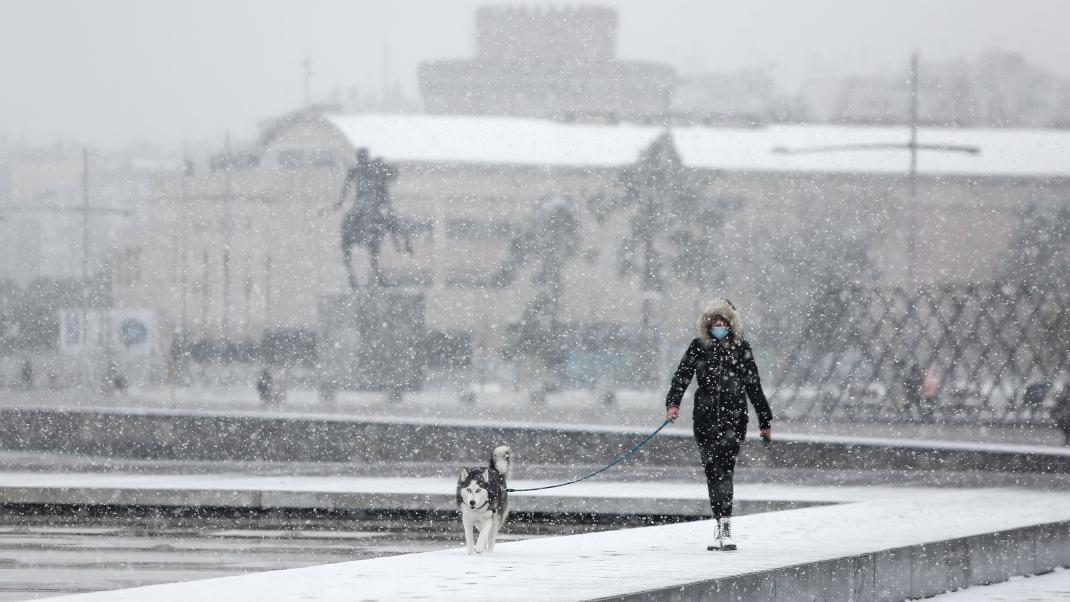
(725, 308)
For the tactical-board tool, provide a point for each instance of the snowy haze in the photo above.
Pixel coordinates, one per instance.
(114, 72)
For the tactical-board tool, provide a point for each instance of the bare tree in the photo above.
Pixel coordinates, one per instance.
(544, 244)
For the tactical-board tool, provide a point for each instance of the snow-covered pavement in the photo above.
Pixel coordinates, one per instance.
(1049, 587)
(882, 547)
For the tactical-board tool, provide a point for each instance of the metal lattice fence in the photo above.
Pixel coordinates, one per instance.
(992, 353)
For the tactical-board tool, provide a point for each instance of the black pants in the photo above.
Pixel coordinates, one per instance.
(719, 449)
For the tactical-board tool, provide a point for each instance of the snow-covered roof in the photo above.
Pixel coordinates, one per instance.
(522, 141)
(494, 140)
(1001, 151)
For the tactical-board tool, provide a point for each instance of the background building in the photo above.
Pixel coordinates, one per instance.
(752, 221)
(556, 63)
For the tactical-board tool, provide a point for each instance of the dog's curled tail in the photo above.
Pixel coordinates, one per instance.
(501, 459)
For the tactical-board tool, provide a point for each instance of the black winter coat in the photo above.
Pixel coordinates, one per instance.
(727, 375)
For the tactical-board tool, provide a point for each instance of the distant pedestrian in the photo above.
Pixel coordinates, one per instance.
(26, 375)
(1061, 413)
(722, 363)
(930, 391)
(912, 394)
(113, 380)
(264, 387)
(1033, 397)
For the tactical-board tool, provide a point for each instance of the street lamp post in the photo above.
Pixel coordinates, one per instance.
(87, 371)
(912, 234)
(227, 234)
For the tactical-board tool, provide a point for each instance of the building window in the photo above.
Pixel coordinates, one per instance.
(322, 158)
(468, 277)
(128, 270)
(291, 158)
(297, 158)
(463, 229)
(407, 278)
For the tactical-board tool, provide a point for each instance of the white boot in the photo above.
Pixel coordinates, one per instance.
(724, 536)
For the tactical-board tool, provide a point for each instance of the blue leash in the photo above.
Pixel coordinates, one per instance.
(615, 461)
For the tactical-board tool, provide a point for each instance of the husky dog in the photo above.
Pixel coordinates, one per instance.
(483, 500)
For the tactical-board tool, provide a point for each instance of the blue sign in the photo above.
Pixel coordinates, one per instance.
(133, 332)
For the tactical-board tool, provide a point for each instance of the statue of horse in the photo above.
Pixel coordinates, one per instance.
(371, 217)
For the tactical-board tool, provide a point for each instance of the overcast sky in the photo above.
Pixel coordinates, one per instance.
(113, 72)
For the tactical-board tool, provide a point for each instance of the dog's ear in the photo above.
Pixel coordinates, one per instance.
(464, 474)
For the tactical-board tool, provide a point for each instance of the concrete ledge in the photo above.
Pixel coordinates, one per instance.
(879, 550)
(90, 496)
(252, 436)
(359, 494)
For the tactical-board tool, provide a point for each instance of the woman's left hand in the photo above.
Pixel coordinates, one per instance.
(767, 434)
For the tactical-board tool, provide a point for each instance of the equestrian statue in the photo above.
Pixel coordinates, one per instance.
(371, 218)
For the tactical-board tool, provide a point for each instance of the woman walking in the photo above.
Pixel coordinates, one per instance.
(723, 364)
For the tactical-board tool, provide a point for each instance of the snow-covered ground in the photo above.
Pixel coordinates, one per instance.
(598, 565)
(1049, 587)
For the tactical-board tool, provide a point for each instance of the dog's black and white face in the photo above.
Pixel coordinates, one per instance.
(472, 488)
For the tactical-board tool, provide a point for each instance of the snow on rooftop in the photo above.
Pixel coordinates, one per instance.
(1003, 152)
(494, 140)
(523, 141)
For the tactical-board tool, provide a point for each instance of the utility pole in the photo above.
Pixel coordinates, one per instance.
(308, 81)
(84, 336)
(227, 234)
(247, 289)
(268, 309)
(386, 75)
(913, 146)
(205, 290)
(912, 235)
(183, 240)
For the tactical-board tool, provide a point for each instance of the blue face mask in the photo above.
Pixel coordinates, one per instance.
(719, 332)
